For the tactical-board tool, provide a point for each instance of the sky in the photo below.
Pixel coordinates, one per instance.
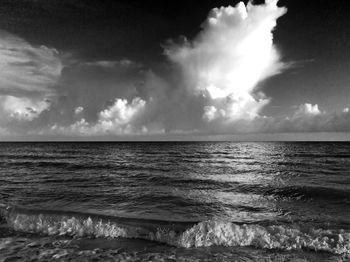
(174, 70)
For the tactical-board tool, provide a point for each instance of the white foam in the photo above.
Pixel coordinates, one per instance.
(203, 234)
(284, 237)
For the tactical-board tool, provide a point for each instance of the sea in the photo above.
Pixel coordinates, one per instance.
(175, 201)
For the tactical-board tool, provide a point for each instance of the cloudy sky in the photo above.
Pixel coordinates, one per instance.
(174, 70)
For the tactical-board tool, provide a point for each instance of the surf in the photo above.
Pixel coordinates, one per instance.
(185, 234)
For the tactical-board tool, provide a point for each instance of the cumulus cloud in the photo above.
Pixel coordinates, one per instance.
(306, 110)
(23, 108)
(306, 118)
(216, 84)
(119, 117)
(78, 110)
(227, 60)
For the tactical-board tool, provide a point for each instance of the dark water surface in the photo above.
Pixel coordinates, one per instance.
(217, 201)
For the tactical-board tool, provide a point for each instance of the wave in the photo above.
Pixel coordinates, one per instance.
(180, 234)
(286, 237)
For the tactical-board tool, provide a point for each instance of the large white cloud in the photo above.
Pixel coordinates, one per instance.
(231, 55)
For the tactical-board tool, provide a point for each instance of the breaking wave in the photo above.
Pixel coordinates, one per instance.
(180, 234)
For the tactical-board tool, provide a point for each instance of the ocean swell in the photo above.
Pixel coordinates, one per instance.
(182, 234)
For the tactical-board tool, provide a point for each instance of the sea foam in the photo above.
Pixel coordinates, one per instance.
(202, 234)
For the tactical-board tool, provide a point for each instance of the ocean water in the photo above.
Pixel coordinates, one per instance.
(204, 201)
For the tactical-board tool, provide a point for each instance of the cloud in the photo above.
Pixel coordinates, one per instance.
(127, 63)
(231, 55)
(117, 119)
(214, 79)
(94, 85)
(25, 68)
(208, 85)
(23, 108)
(28, 75)
(308, 118)
(306, 110)
(304, 119)
(211, 84)
(78, 110)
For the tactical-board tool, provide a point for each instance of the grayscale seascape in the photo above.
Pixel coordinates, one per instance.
(174, 130)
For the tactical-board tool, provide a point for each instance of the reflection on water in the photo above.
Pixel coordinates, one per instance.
(200, 180)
